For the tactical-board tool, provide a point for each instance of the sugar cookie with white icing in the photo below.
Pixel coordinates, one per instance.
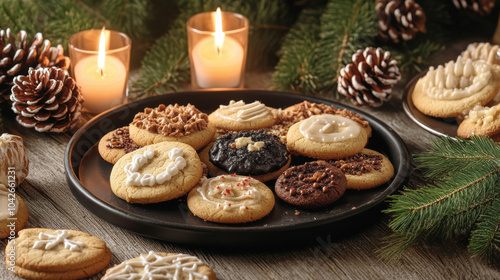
(14, 165)
(449, 90)
(156, 173)
(43, 254)
(230, 199)
(159, 265)
(238, 115)
(13, 212)
(326, 137)
(481, 121)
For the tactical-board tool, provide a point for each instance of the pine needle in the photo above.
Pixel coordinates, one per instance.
(460, 202)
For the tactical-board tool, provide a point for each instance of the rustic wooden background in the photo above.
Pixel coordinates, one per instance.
(329, 256)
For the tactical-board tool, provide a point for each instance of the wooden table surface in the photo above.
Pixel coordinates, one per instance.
(329, 256)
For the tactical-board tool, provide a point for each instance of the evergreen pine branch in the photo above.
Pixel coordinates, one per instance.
(311, 61)
(466, 176)
(128, 16)
(19, 15)
(464, 155)
(485, 239)
(413, 56)
(296, 68)
(166, 65)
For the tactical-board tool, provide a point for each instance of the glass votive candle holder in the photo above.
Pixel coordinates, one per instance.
(217, 55)
(100, 65)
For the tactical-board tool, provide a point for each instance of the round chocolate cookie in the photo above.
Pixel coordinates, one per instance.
(311, 185)
(249, 153)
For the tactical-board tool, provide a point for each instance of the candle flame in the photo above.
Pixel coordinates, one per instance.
(219, 35)
(102, 53)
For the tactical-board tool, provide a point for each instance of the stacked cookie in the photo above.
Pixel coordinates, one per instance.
(465, 89)
(242, 145)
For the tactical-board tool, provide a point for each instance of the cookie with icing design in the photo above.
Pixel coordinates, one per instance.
(116, 144)
(44, 254)
(239, 115)
(366, 170)
(481, 121)
(160, 265)
(156, 173)
(231, 199)
(185, 124)
(13, 212)
(326, 137)
(456, 87)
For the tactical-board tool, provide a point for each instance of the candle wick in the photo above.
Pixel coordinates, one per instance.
(102, 72)
(218, 51)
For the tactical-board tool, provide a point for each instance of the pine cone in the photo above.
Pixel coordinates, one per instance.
(369, 79)
(16, 59)
(47, 99)
(482, 7)
(400, 19)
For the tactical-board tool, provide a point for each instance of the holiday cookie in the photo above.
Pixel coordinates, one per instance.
(482, 51)
(449, 90)
(116, 144)
(184, 124)
(365, 170)
(253, 153)
(156, 173)
(14, 165)
(238, 116)
(230, 199)
(306, 109)
(13, 212)
(158, 265)
(326, 137)
(311, 185)
(481, 121)
(44, 254)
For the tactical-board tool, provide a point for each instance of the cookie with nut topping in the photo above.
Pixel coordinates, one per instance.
(311, 185)
(481, 121)
(366, 170)
(185, 124)
(116, 144)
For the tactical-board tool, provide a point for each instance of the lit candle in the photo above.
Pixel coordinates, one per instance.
(218, 60)
(101, 79)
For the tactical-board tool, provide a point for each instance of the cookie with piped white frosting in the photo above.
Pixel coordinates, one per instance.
(238, 115)
(449, 90)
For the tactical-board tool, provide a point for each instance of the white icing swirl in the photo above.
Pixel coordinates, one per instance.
(230, 191)
(156, 267)
(7, 210)
(457, 79)
(329, 128)
(134, 178)
(241, 112)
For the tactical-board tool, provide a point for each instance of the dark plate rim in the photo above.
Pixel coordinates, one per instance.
(409, 108)
(81, 193)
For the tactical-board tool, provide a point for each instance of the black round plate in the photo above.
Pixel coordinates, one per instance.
(436, 126)
(88, 178)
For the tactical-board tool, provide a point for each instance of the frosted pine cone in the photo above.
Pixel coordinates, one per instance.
(369, 79)
(17, 58)
(400, 19)
(482, 7)
(47, 99)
